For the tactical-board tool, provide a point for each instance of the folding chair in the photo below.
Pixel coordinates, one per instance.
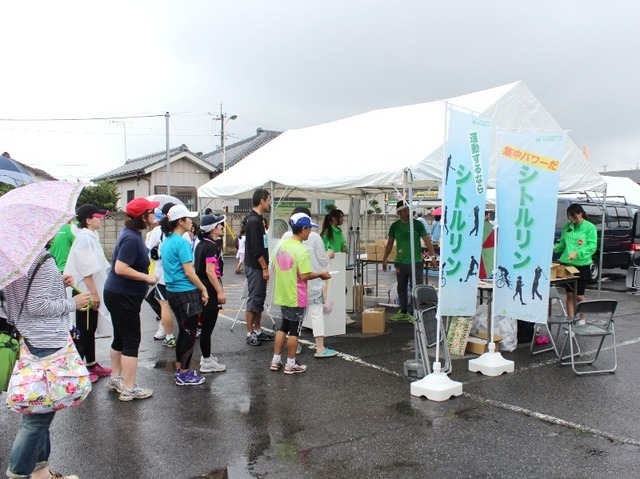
(243, 302)
(425, 304)
(553, 320)
(598, 315)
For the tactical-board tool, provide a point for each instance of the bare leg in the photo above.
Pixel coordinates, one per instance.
(292, 346)
(116, 363)
(129, 370)
(319, 344)
(278, 344)
(250, 316)
(580, 298)
(571, 304)
(166, 317)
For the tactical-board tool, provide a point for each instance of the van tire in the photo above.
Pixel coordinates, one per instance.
(594, 271)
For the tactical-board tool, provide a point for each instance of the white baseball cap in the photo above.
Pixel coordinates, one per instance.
(180, 211)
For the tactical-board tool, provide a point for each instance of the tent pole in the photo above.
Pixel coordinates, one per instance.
(604, 217)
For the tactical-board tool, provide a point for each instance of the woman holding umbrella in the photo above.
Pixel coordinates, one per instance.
(40, 314)
(124, 291)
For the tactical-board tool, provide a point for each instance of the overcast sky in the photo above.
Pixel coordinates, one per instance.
(284, 64)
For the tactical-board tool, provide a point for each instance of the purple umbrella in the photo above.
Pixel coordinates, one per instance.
(13, 173)
(32, 215)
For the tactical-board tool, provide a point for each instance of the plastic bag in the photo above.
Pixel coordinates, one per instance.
(504, 326)
(327, 303)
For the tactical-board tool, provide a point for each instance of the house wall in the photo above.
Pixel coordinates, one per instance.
(184, 175)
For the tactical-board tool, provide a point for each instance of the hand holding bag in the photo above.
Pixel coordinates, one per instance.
(47, 384)
(327, 305)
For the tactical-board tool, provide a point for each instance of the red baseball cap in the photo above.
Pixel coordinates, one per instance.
(138, 206)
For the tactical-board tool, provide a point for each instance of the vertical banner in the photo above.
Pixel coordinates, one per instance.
(527, 198)
(466, 166)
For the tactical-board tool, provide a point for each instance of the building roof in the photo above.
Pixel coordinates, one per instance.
(633, 175)
(142, 163)
(212, 161)
(237, 151)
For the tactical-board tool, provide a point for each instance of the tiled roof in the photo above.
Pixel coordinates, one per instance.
(633, 175)
(137, 164)
(233, 152)
(237, 151)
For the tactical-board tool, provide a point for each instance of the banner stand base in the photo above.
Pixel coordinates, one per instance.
(436, 387)
(491, 364)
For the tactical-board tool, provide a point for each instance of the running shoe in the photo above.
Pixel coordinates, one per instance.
(160, 333)
(189, 378)
(252, 340)
(296, 368)
(169, 342)
(275, 365)
(211, 365)
(115, 383)
(99, 370)
(136, 392)
(264, 336)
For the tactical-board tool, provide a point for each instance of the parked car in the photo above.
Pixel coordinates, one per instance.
(618, 218)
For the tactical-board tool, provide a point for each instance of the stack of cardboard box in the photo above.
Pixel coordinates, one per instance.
(375, 251)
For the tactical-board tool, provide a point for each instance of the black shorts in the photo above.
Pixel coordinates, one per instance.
(292, 318)
(583, 279)
(185, 304)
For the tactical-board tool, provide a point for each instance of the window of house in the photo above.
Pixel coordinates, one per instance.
(187, 194)
(131, 194)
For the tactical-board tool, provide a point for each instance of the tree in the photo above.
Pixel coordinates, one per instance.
(5, 188)
(104, 195)
(330, 206)
(375, 207)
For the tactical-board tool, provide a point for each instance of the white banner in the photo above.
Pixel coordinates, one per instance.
(526, 203)
(465, 188)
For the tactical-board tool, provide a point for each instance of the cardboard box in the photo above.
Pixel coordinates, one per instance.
(479, 344)
(553, 274)
(373, 320)
(567, 271)
(370, 251)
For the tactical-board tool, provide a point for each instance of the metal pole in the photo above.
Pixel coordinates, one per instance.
(166, 116)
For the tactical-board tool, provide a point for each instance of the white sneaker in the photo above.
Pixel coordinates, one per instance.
(160, 333)
(211, 365)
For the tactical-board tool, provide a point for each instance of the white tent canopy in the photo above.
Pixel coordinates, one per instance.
(622, 189)
(369, 153)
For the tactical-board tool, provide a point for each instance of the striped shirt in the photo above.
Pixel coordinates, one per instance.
(45, 320)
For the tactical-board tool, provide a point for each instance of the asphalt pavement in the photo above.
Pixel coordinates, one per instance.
(352, 416)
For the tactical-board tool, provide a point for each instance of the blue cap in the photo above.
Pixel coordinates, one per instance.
(301, 219)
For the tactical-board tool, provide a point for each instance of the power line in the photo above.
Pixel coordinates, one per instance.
(83, 119)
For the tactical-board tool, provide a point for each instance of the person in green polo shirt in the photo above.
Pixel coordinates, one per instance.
(61, 244)
(399, 231)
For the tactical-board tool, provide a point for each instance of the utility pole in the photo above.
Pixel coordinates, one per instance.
(223, 120)
(166, 116)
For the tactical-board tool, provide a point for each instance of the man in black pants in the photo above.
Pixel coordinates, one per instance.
(256, 261)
